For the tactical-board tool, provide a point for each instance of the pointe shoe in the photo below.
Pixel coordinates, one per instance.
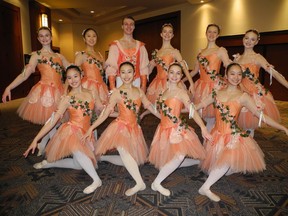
(212, 196)
(135, 189)
(40, 165)
(91, 188)
(160, 189)
(40, 150)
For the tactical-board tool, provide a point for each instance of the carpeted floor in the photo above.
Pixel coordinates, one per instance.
(26, 191)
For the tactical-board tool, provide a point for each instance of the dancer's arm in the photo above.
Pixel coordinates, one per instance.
(223, 55)
(249, 103)
(49, 125)
(27, 71)
(148, 105)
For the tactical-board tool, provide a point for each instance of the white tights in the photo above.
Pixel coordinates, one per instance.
(78, 162)
(213, 177)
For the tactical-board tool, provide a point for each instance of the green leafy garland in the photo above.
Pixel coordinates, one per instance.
(84, 106)
(44, 60)
(159, 60)
(92, 60)
(129, 103)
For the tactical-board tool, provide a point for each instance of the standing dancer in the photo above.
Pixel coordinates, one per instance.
(174, 139)
(124, 133)
(232, 149)
(251, 63)
(127, 49)
(43, 98)
(208, 65)
(79, 103)
(91, 62)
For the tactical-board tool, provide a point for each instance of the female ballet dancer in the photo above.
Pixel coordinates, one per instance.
(232, 149)
(79, 103)
(124, 133)
(251, 63)
(174, 139)
(43, 98)
(208, 65)
(91, 63)
(162, 58)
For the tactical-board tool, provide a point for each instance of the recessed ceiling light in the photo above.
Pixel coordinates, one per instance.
(202, 1)
(60, 20)
(92, 11)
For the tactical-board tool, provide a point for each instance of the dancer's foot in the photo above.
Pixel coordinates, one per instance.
(160, 189)
(135, 189)
(91, 188)
(212, 196)
(41, 149)
(40, 165)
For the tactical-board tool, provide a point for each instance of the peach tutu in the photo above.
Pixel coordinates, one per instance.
(172, 140)
(266, 101)
(67, 139)
(44, 97)
(124, 132)
(93, 80)
(205, 84)
(241, 154)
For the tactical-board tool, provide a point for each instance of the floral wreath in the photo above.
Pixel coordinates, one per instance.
(84, 106)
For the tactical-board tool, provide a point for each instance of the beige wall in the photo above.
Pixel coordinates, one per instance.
(25, 22)
(234, 17)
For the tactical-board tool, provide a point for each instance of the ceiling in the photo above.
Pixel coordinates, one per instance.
(105, 11)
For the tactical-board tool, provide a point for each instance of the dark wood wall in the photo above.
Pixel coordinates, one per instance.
(274, 47)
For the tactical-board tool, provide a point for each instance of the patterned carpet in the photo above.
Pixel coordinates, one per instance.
(26, 191)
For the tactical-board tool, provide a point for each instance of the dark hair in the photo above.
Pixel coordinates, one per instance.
(231, 65)
(255, 32)
(88, 29)
(127, 63)
(214, 25)
(128, 17)
(167, 25)
(71, 67)
(44, 28)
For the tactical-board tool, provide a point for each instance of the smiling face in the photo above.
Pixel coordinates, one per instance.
(73, 78)
(250, 39)
(212, 33)
(234, 74)
(126, 73)
(90, 37)
(167, 33)
(44, 37)
(128, 26)
(175, 74)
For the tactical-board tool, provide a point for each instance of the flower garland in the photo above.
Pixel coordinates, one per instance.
(44, 60)
(159, 60)
(92, 60)
(84, 106)
(217, 78)
(130, 104)
(227, 117)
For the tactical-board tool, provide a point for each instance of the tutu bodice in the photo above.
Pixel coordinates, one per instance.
(214, 64)
(177, 105)
(163, 64)
(248, 84)
(91, 71)
(128, 115)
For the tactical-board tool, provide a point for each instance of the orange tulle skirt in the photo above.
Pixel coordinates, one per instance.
(241, 154)
(98, 88)
(162, 150)
(67, 140)
(40, 103)
(120, 134)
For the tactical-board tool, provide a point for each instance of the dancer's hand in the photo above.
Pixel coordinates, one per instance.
(192, 89)
(206, 135)
(32, 147)
(87, 135)
(7, 93)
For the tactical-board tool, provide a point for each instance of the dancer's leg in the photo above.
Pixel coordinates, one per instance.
(86, 163)
(213, 177)
(114, 159)
(70, 163)
(210, 123)
(189, 162)
(133, 169)
(165, 171)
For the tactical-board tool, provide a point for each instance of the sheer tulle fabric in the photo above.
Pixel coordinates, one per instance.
(43, 98)
(241, 154)
(163, 150)
(67, 139)
(124, 132)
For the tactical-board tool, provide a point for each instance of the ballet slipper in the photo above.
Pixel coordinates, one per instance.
(206, 192)
(160, 189)
(135, 189)
(40, 165)
(91, 188)
(40, 150)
